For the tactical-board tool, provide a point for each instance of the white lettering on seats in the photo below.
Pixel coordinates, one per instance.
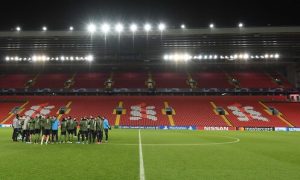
(246, 113)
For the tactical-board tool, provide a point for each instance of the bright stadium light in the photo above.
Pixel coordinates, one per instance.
(119, 27)
(71, 28)
(18, 28)
(161, 27)
(211, 25)
(276, 56)
(89, 58)
(62, 58)
(147, 27)
(105, 28)
(133, 28)
(91, 28)
(182, 26)
(44, 28)
(241, 25)
(7, 58)
(266, 56)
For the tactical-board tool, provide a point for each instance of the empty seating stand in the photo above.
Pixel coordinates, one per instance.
(53, 80)
(254, 80)
(130, 80)
(212, 80)
(15, 80)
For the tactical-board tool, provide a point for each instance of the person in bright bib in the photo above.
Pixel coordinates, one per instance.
(106, 127)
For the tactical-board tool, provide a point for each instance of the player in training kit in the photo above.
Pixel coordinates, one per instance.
(70, 129)
(25, 128)
(37, 127)
(106, 127)
(63, 130)
(31, 129)
(84, 130)
(99, 129)
(92, 132)
(46, 123)
(54, 128)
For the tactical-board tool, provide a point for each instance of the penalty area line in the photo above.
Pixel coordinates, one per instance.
(142, 170)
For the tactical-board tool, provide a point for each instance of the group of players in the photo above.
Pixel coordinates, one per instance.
(42, 129)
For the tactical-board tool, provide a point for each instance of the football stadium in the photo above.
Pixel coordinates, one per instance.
(150, 100)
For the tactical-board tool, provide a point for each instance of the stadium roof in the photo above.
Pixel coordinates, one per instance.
(152, 46)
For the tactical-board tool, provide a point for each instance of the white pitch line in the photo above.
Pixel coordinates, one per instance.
(142, 170)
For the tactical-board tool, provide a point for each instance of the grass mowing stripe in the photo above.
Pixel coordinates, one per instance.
(142, 170)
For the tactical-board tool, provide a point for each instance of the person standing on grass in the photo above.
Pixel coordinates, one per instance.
(31, 129)
(84, 130)
(55, 124)
(25, 129)
(37, 127)
(46, 130)
(16, 126)
(92, 132)
(106, 127)
(99, 129)
(75, 127)
(70, 129)
(63, 130)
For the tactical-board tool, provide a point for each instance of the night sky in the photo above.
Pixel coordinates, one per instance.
(59, 14)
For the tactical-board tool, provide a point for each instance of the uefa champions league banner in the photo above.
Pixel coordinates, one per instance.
(5, 125)
(178, 127)
(137, 127)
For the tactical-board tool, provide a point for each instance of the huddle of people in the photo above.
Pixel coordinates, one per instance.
(42, 129)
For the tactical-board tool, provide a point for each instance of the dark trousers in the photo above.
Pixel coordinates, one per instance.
(99, 136)
(15, 134)
(106, 134)
(25, 135)
(75, 131)
(92, 136)
(54, 133)
(84, 135)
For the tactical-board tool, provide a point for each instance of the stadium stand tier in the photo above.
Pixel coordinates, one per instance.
(239, 111)
(134, 79)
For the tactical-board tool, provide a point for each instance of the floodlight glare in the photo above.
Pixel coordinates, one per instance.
(119, 27)
(91, 28)
(147, 27)
(161, 27)
(276, 56)
(133, 27)
(44, 28)
(71, 28)
(182, 26)
(105, 28)
(241, 25)
(89, 58)
(211, 25)
(18, 28)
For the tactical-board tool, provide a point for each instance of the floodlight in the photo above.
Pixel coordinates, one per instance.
(182, 26)
(147, 27)
(241, 25)
(161, 27)
(133, 27)
(44, 28)
(211, 25)
(119, 27)
(18, 28)
(71, 28)
(105, 28)
(91, 28)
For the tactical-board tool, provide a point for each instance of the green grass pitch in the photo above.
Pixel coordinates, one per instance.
(166, 155)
